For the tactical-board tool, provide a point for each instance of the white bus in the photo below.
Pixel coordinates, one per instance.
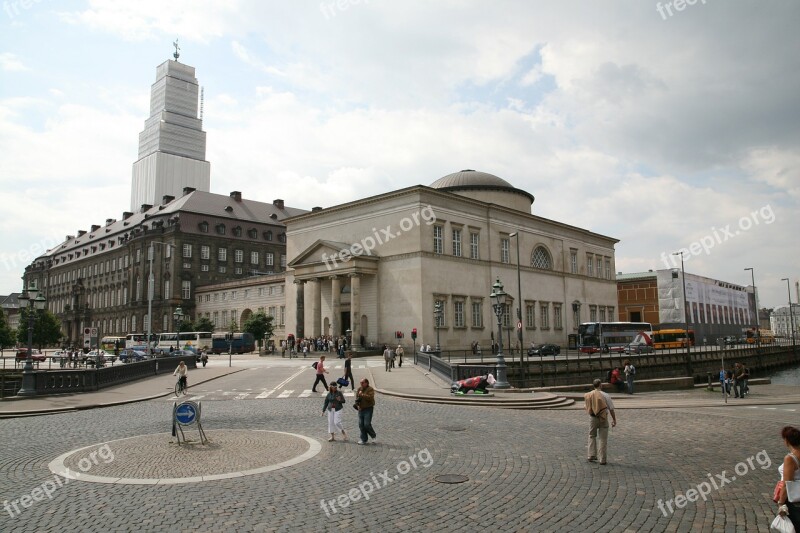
(194, 341)
(136, 341)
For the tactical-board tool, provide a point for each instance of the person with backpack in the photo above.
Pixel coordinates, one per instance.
(334, 401)
(598, 405)
(630, 371)
(319, 366)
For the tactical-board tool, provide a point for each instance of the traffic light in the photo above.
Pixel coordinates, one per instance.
(414, 333)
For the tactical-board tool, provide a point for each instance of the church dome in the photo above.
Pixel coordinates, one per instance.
(482, 186)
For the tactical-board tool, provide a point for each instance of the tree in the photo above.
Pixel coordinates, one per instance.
(187, 325)
(260, 325)
(204, 324)
(46, 328)
(233, 327)
(7, 337)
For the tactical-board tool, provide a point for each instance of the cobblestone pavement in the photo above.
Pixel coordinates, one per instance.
(527, 471)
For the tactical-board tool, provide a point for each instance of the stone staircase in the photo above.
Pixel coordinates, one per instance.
(501, 400)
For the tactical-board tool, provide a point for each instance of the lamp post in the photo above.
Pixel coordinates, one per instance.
(685, 316)
(32, 303)
(519, 303)
(755, 301)
(437, 315)
(500, 297)
(178, 317)
(150, 291)
(791, 315)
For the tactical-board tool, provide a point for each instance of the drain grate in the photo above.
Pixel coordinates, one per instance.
(451, 478)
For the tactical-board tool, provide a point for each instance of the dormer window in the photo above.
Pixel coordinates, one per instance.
(203, 227)
(220, 229)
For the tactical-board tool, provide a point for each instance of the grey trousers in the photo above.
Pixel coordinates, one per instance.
(598, 438)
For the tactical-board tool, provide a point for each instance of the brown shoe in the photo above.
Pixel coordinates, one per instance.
(592, 459)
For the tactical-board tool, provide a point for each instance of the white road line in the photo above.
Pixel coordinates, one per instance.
(195, 398)
(362, 366)
(349, 393)
(771, 408)
(790, 410)
(242, 396)
(228, 393)
(290, 378)
(265, 394)
(305, 394)
(285, 394)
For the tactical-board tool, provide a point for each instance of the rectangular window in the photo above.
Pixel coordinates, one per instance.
(203, 268)
(530, 315)
(238, 270)
(557, 323)
(168, 251)
(222, 254)
(269, 259)
(608, 268)
(505, 246)
(573, 261)
(138, 255)
(441, 320)
(271, 311)
(253, 258)
(187, 251)
(283, 315)
(205, 252)
(474, 249)
(457, 242)
(224, 296)
(599, 267)
(233, 295)
(283, 260)
(166, 289)
(438, 240)
(216, 319)
(238, 256)
(544, 316)
(602, 314)
(592, 313)
(187, 266)
(458, 314)
(150, 252)
(589, 265)
(113, 265)
(506, 316)
(225, 319)
(477, 314)
(186, 290)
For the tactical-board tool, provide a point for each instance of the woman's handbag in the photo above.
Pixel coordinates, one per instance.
(793, 491)
(776, 494)
(781, 524)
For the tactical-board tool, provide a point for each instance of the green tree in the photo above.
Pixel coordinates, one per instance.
(233, 327)
(187, 325)
(46, 328)
(7, 337)
(261, 327)
(204, 324)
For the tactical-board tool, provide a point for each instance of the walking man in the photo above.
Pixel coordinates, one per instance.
(320, 373)
(365, 399)
(348, 370)
(387, 359)
(630, 371)
(400, 353)
(599, 405)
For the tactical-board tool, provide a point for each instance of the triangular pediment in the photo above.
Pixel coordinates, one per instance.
(330, 252)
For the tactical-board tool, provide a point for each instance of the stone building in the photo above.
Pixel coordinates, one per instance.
(378, 265)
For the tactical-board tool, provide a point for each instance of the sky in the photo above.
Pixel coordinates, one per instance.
(665, 128)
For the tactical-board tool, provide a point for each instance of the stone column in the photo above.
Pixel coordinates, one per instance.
(355, 309)
(316, 307)
(300, 309)
(336, 305)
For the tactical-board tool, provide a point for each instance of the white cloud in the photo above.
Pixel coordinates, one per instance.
(11, 63)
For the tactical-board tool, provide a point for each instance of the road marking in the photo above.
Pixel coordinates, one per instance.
(195, 398)
(265, 394)
(290, 378)
(349, 393)
(790, 410)
(771, 408)
(242, 396)
(305, 394)
(285, 394)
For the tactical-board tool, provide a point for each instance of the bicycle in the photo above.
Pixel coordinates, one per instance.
(180, 387)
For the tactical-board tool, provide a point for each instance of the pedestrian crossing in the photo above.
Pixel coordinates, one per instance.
(259, 394)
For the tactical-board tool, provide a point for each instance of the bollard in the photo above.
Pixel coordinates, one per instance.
(709, 381)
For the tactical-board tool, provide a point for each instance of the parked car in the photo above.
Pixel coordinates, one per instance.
(36, 355)
(638, 348)
(544, 349)
(128, 355)
(179, 353)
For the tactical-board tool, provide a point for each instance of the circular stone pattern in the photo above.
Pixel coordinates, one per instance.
(157, 459)
(451, 478)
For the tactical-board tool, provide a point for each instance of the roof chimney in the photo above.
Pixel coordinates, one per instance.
(126, 215)
(236, 195)
(110, 221)
(70, 237)
(95, 227)
(145, 207)
(315, 209)
(188, 190)
(167, 199)
(278, 203)
(81, 233)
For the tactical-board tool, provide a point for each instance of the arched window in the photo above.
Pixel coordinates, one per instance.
(540, 258)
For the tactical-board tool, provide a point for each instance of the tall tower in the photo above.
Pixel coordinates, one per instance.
(172, 146)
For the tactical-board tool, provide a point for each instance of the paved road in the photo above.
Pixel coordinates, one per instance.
(526, 470)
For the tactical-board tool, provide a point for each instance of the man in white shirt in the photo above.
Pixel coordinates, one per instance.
(599, 405)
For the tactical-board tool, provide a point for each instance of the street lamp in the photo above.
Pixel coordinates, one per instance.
(437, 314)
(33, 303)
(519, 301)
(755, 300)
(791, 315)
(178, 317)
(685, 311)
(500, 298)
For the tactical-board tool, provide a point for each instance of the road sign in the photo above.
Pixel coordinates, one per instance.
(519, 325)
(186, 413)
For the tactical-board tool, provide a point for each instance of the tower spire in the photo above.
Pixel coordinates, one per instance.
(176, 55)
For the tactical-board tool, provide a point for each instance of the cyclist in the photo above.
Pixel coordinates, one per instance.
(181, 373)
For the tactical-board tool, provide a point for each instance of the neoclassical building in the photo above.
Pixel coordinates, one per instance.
(378, 265)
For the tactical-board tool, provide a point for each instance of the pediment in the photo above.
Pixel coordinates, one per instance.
(324, 252)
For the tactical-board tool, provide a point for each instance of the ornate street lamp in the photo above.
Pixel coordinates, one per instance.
(499, 297)
(437, 315)
(33, 303)
(178, 318)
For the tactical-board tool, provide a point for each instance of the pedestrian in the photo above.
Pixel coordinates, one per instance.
(746, 378)
(399, 352)
(348, 370)
(630, 371)
(387, 358)
(365, 403)
(790, 471)
(723, 382)
(204, 358)
(616, 379)
(599, 405)
(740, 382)
(334, 401)
(320, 368)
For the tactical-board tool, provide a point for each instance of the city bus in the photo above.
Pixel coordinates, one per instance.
(672, 338)
(767, 337)
(110, 343)
(610, 336)
(194, 341)
(136, 341)
(241, 343)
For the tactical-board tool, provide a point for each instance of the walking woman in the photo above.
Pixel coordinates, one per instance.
(790, 471)
(333, 405)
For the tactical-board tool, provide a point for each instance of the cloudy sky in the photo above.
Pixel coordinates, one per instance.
(665, 129)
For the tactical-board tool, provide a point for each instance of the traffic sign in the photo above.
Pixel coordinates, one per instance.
(519, 324)
(186, 413)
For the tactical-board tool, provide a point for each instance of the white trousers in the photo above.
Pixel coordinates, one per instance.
(335, 421)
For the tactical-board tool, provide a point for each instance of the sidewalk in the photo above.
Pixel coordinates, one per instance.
(136, 391)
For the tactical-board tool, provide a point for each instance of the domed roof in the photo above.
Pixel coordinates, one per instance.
(470, 178)
(475, 180)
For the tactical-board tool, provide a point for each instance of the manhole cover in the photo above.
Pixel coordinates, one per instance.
(454, 428)
(451, 478)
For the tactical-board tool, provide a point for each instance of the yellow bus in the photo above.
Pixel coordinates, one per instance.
(109, 343)
(767, 336)
(672, 338)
